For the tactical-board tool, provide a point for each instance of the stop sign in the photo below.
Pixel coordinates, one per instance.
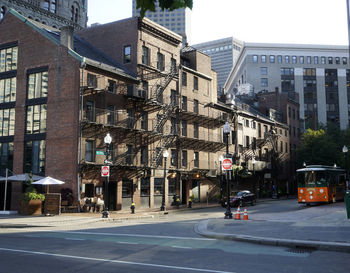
(105, 171)
(227, 164)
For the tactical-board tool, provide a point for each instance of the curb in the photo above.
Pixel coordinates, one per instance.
(201, 229)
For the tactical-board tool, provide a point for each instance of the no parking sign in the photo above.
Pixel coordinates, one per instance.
(105, 171)
(227, 164)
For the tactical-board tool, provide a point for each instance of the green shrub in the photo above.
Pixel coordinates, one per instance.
(33, 195)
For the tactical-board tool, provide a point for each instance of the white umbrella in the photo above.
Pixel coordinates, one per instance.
(22, 177)
(48, 181)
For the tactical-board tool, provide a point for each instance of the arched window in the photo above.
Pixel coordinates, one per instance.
(2, 12)
(50, 5)
(75, 12)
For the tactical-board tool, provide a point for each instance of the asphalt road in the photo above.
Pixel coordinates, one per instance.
(167, 245)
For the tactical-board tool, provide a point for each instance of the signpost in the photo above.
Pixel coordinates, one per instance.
(105, 171)
(227, 164)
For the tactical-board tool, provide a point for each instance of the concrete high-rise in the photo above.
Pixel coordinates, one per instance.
(54, 13)
(319, 73)
(224, 53)
(178, 20)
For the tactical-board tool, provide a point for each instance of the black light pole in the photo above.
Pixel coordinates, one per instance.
(107, 141)
(345, 151)
(253, 162)
(221, 158)
(228, 213)
(165, 155)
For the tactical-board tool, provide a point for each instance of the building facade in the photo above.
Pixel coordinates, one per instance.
(178, 20)
(54, 13)
(318, 73)
(224, 54)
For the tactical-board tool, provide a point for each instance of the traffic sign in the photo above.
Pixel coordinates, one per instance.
(227, 164)
(101, 153)
(105, 171)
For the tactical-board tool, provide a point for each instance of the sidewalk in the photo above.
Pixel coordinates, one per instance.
(320, 227)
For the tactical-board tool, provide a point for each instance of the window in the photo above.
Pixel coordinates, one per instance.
(255, 58)
(8, 59)
(337, 60)
(195, 106)
(90, 151)
(330, 60)
(294, 59)
(8, 90)
(158, 186)
(259, 130)
(345, 60)
(50, 5)
(144, 155)
(145, 186)
(272, 58)
(110, 114)
(127, 54)
(144, 121)
(184, 159)
(127, 188)
(195, 83)
(184, 128)
(195, 130)
(38, 85)
(129, 155)
(74, 13)
(263, 70)
(7, 122)
(287, 71)
(160, 61)
(91, 80)
(247, 123)
(301, 59)
(112, 86)
(263, 58)
(263, 82)
(323, 60)
(173, 157)
(286, 59)
(34, 157)
(184, 103)
(2, 12)
(145, 55)
(315, 60)
(308, 59)
(184, 78)
(6, 157)
(309, 72)
(173, 64)
(247, 141)
(279, 59)
(36, 119)
(196, 159)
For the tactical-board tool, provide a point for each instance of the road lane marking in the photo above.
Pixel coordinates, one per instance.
(127, 243)
(127, 235)
(186, 247)
(75, 239)
(112, 261)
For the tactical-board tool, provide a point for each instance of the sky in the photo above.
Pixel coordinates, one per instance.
(260, 21)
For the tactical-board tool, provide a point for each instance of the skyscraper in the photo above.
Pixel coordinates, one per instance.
(50, 12)
(224, 53)
(177, 20)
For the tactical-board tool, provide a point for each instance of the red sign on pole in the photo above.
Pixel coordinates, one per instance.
(105, 171)
(227, 164)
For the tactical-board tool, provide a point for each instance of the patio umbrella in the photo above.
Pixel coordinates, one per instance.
(48, 181)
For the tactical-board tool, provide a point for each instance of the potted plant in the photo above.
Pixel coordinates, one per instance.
(31, 202)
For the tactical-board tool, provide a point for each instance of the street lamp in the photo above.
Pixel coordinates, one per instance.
(221, 158)
(165, 155)
(107, 141)
(345, 151)
(228, 213)
(253, 162)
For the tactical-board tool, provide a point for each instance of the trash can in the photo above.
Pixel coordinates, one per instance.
(347, 203)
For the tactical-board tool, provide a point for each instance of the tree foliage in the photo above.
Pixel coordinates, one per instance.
(323, 146)
(145, 5)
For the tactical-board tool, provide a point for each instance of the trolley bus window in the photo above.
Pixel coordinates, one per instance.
(311, 178)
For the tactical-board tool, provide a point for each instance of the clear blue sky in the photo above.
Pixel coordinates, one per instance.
(263, 21)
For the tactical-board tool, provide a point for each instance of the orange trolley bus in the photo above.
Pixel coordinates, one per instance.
(320, 184)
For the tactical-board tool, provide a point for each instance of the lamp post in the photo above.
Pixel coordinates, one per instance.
(253, 162)
(107, 141)
(228, 213)
(221, 158)
(165, 156)
(345, 151)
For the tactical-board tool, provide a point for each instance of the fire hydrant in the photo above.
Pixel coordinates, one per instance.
(132, 207)
(178, 202)
(190, 202)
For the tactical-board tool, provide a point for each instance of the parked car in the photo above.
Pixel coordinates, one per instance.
(242, 198)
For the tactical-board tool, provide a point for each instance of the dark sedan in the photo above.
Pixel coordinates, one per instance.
(242, 198)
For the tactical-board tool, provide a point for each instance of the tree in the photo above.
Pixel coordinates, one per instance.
(145, 5)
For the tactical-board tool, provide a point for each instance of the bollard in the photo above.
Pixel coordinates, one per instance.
(132, 207)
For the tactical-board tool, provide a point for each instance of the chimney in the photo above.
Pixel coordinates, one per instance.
(67, 36)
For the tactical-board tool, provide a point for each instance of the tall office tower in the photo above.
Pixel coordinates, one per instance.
(223, 53)
(178, 20)
(319, 73)
(54, 13)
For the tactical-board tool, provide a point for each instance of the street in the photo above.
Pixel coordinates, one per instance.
(164, 244)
